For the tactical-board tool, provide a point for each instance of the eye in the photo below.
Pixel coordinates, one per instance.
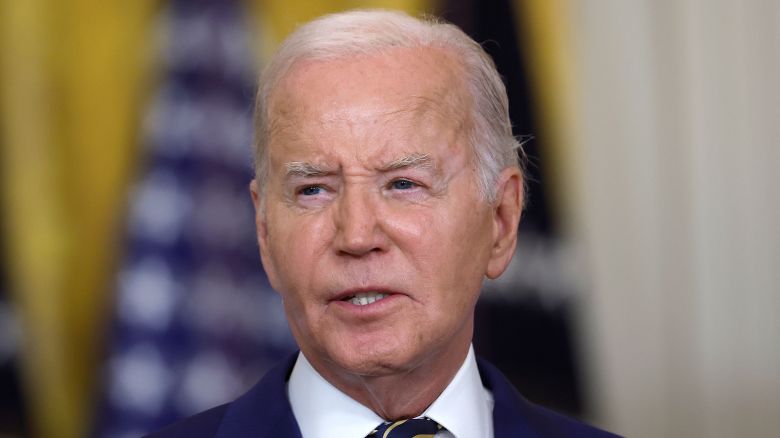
(402, 184)
(310, 190)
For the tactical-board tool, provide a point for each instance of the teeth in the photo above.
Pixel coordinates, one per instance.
(363, 299)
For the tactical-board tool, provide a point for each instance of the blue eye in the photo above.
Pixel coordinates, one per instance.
(403, 184)
(311, 190)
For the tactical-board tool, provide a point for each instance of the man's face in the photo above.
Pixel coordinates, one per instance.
(374, 232)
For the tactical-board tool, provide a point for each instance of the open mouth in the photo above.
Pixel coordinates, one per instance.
(364, 298)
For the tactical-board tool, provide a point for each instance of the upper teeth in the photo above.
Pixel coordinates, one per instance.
(362, 299)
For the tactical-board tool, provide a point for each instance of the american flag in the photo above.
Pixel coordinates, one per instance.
(196, 322)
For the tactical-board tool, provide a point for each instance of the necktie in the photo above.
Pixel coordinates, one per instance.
(414, 428)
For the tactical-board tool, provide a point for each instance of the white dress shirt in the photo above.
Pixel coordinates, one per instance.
(465, 408)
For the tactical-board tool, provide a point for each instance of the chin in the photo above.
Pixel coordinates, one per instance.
(374, 360)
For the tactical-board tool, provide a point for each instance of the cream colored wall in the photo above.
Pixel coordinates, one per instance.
(675, 200)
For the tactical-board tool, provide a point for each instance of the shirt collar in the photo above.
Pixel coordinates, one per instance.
(465, 408)
(323, 411)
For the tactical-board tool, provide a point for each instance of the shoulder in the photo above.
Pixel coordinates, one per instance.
(204, 424)
(513, 415)
(263, 411)
(552, 424)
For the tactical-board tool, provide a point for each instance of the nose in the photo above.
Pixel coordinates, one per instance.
(358, 224)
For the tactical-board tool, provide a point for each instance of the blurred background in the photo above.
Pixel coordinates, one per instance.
(644, 294)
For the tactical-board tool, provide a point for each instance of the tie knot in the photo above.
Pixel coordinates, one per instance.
(414, 428)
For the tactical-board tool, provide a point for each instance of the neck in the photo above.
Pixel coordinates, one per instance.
(389, 396)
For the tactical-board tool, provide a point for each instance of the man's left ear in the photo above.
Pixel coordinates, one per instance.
(507, 209)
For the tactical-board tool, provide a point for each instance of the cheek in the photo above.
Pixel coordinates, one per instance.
(447, 248)
(406, 225)
(462, 245)
(296, 244)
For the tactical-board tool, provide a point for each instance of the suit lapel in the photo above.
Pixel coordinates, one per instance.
(510, 409)
(265, 410)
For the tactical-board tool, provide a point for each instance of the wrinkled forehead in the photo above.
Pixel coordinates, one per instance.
(418, 86)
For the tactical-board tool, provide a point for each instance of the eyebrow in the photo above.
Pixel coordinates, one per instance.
(304, 169)
(415, 160)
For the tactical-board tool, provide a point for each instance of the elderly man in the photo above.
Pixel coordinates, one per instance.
(387, 188)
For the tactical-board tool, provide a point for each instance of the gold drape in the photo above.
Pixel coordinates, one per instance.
(70, 82)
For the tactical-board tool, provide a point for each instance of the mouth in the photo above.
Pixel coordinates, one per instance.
(364, 298)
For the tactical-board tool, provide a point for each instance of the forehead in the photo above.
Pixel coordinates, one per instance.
(402, 95)
(428, 72)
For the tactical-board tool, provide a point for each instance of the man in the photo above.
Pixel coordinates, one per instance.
(387, 188)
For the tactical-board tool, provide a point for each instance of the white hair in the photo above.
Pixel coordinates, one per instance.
(371, 32)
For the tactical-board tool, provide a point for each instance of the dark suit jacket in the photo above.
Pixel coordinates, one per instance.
(265, 411)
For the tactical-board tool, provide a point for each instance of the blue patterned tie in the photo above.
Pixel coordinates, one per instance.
(414, 428)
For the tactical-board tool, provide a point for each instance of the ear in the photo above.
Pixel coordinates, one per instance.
(507, 209)
(261, 227)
